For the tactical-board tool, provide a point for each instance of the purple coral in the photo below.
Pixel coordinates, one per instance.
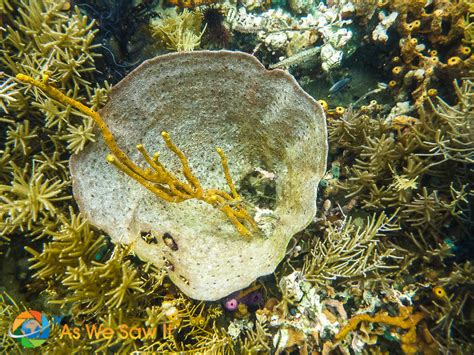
(231, 304)
(253, 299)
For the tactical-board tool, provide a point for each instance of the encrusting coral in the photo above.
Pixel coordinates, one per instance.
(426, 28)
(406, 320)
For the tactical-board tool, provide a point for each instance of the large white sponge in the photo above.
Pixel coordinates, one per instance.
(265, 123)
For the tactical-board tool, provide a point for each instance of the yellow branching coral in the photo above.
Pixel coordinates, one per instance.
(406, 320)
(157, 178)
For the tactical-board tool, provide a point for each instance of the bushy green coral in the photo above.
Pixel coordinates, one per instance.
(73, 264)
(392, 165)
(28, 200)
(7, 92)
(38, 36)
(8, 312)
(420, 167)
(5, 6)
(350, 250)
(179, 31)
(72, 242)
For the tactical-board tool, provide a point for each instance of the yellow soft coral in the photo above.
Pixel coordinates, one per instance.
(157, 178)
(406, 320)
(179, 31)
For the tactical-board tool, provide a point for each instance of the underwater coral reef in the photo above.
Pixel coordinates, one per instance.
(335, 216)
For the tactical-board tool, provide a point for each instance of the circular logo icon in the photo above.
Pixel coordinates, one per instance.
(30, 329)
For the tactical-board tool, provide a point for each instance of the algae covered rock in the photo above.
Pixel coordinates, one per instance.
(273, 134)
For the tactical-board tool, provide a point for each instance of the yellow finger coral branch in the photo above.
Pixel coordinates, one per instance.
(184, 162)
(106, 133)
(162, 176)
(406, 320)
(225, 167)
(156, 178)
(160, 192)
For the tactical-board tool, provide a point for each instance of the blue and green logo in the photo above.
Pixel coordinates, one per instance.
(30, 329)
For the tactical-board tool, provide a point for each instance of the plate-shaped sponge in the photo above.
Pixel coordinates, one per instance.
(273, 134)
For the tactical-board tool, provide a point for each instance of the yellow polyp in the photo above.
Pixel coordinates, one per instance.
(156, 177)
(324, 105)
(397, 70)
(432, 92)
(440, 293)
(340, 110)
(454, 61)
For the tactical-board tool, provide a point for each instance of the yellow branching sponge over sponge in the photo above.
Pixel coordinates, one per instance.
(274, 138)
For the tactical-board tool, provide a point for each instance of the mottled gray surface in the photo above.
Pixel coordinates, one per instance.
(206, 99)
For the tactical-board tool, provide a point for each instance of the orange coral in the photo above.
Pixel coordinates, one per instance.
(406, 320)
(403, 121)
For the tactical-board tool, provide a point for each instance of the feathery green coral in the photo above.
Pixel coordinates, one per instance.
(7, 92)
(8, 312)
(350, 250)
(179, 31)
(73, 240)
(29, 198)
